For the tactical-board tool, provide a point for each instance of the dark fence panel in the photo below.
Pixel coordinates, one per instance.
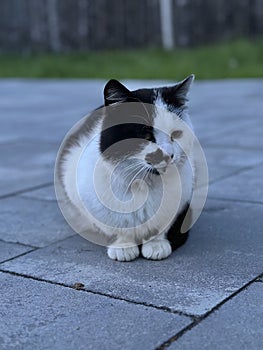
(68, 25)
(205, 21)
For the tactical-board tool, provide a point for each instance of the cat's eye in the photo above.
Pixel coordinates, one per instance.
(176, 134)
(147, 133)
(148, 136)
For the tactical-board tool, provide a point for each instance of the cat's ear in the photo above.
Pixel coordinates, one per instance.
(183, 87)
(115, 92)
(178, 93)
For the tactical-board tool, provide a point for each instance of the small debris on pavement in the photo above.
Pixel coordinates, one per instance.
(78, 286)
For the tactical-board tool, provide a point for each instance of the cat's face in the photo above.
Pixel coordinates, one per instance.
(145, 125)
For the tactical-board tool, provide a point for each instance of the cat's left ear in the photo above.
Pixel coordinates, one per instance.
(115, 92)
(183, 87)
(180, 91)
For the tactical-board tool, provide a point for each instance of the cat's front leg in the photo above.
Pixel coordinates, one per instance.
(157, 249)
(123, 254)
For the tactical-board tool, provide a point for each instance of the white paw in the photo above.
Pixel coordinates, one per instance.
(157, 249)
(123, 254)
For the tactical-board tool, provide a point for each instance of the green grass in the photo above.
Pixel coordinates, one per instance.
(239, 59)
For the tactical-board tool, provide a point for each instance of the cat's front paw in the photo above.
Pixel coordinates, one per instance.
(157, 249)
(123, 254)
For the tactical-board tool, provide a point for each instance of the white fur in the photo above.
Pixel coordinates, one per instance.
(90, 218)
(123, 254)
(156, 249)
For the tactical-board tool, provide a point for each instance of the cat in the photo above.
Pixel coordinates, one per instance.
(124, 175)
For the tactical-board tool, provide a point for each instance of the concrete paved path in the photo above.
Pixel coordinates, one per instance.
(207, 295)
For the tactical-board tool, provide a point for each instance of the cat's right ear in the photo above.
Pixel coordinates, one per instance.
(115, 92)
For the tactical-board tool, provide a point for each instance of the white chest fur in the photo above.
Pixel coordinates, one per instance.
(146, 210)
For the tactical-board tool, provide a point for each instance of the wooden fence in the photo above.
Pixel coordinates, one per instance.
(79, 25)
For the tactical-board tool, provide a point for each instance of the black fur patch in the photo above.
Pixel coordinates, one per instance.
(176, 96)
(127, 119)
(174, 234)
(171, 98)
(114, 92)
(145, 95)
(124, 139)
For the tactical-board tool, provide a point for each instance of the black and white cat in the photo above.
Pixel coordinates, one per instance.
(124, 174)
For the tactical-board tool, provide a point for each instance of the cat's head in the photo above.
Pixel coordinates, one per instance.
(145, 124)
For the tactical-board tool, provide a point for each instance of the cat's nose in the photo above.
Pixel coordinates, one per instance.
(168, 151)
(168, 158)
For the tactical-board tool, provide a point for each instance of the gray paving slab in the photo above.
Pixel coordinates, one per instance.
(217, 121)
(224, 162)
(44, 109)
(45, 316)
(224, 252)
(25, 164)
(246, 186)
(11, 250)
(46, 193)
(31, 221)
(47, 125)
(220, 107)
(244, 136)
(235, 325)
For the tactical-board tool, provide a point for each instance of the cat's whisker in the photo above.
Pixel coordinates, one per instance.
(134, 174)
(128, 172)
(127, 168)
(144, 178)
(128, 176)
(133, 165)
(133, 162)
(134, 177)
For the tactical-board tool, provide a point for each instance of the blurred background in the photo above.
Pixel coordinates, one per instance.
(131, 38)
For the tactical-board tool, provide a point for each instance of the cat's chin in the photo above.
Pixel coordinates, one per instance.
(154, 171)
(159, 171)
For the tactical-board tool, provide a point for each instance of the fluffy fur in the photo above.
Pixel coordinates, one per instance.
(122, 176)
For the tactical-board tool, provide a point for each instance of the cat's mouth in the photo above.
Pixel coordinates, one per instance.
(157, 170)
(154, 171)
